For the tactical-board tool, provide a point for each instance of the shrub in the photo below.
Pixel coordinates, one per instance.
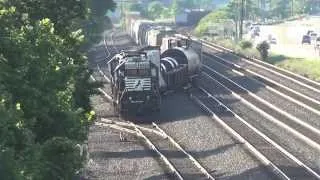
(263, 48)
(245, 44)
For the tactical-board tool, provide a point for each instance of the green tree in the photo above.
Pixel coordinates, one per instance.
(155, 9)
(175, 8)
(233, 12)
(44, 87)
(280, 8)
(215, 17)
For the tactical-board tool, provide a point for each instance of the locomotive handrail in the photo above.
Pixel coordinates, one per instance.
(113, 58)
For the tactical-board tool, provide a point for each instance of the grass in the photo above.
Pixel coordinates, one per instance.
(230, 44)
(309, 68)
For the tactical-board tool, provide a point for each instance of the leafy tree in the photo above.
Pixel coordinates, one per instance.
(155, 9)
(137, 7)
(44, 87)
(218, 16)
(232, 12)
(251, 9)
(175, 8)
(280, 8)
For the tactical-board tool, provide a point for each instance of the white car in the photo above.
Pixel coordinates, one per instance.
(272, 39)
(313, 36)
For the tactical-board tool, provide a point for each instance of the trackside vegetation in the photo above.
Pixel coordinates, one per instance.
(278, 11)
(44, 86)
(306, 67)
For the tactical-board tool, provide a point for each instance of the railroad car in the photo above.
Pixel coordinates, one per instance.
(134, 81)
(176, 59)
(180, 56)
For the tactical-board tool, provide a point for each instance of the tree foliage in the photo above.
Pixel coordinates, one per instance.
(218, 16)
(44, 86)
(263, 49)
(256, 10)
(155, 9)
(245, 44)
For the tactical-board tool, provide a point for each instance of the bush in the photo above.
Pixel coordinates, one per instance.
(245, 44)
(218, 16)
(263, 48)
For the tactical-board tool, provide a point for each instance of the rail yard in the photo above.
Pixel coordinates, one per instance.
(241, 119)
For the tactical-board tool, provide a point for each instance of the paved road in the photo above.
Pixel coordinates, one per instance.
(289, 37)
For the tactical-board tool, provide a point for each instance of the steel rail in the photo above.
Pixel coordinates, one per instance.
(289, 116)
(128, 124)
(164, 158)
(299, 102)
(275, 72)
(102, 91)
(140, 134)
(237, 136)
(191, 158)
(280, 148)
(269, 117)
(264, 63)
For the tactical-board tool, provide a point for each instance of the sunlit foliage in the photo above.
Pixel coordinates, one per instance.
(44, 86)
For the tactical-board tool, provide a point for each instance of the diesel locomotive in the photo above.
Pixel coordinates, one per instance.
(166, 61)
(134, 81)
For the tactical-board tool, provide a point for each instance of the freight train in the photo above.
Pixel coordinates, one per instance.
(134, 81)
(167, 61)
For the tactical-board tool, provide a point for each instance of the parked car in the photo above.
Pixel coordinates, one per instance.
(318, 42)
(272, 39)
(309, 32)
(306, 39)
(313, 36)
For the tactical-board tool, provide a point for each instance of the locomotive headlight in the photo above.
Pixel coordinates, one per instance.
(130, 98)
(148, 97)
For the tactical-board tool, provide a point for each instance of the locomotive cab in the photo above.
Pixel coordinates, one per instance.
(135, 83)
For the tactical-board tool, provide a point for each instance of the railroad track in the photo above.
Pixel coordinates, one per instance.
(293, 110)
(285, 80)
(180, 163)
(281, 162)
(224, 82)
(216, 95)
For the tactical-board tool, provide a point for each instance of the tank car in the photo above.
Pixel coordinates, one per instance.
(134, 81)
(180, 56)
(180, 61)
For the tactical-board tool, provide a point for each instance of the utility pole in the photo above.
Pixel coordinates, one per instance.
(241, 18)
(291, 7)
(123, 10)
